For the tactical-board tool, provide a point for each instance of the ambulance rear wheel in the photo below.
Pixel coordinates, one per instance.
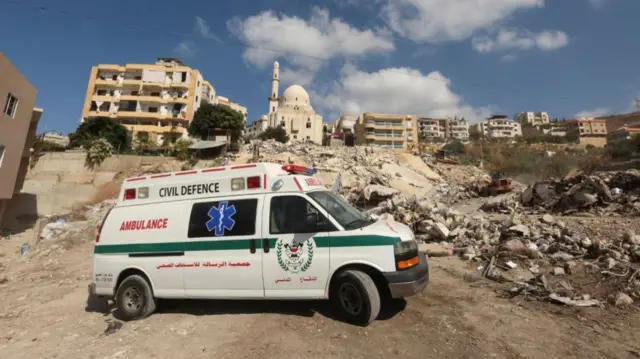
(134, 298)
(356, 297)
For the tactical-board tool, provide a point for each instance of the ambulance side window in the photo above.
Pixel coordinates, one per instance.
(294, 214)
(223, 218)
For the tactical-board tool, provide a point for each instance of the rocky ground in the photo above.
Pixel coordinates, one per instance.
(548, 271)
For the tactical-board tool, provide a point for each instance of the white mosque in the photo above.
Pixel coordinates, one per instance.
(292, 111)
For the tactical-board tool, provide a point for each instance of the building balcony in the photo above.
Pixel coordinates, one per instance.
(104, 82)
(179, 84)
(152, 115)
(132, 82)
(103, 98)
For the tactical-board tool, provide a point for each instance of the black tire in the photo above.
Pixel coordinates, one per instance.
(356, 297)
(134, 299)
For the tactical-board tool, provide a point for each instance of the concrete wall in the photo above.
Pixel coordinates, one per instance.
(59, 180)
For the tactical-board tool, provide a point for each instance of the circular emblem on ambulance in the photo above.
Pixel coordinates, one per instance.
(295, 257)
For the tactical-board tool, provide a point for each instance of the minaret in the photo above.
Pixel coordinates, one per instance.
(273, 97)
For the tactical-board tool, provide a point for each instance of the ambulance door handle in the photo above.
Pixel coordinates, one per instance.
(252, 246)
(265, 245)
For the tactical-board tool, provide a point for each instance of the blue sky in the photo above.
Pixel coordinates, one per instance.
(424, 57)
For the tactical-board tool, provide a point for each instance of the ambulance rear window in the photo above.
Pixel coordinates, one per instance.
(223, 218)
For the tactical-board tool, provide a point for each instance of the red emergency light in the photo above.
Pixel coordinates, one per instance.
(301, 170)
(129, 193)
(253, 182)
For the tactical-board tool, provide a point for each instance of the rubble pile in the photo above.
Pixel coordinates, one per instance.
(543, 246)
(371, 175)
(61, 228)
(603, 193)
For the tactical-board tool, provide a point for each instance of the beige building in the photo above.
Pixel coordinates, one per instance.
(624, 133)
(257, 126)
(293, 111)
(588, 131)
(459, 129)
(498, 126)
(18, 123)
(386, 130)
(151, 100)
(532, 118)
(56, 139)
(432, 128)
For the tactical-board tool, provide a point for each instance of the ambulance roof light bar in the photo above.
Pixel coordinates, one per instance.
(299, 170)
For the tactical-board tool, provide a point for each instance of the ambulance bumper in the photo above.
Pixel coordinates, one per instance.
(409, 282)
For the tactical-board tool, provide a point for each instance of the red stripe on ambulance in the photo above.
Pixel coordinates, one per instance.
(142, 225)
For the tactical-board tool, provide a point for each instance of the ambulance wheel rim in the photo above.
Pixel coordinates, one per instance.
(350, 298)
(132, 299)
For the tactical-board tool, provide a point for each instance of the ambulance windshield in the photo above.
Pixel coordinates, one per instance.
(349, 217)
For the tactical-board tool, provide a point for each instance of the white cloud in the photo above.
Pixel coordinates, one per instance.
(203, 29)
(185, 49)
(306, 44)
(509, 58)
(597, 4)
(395, 90)
(596, 112)
(449, 20)
(514, 39)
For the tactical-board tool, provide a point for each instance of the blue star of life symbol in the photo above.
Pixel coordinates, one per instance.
(221, 218)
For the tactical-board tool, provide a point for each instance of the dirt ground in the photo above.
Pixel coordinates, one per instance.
(44, 314)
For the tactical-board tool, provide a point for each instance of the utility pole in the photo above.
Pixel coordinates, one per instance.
(638, 103)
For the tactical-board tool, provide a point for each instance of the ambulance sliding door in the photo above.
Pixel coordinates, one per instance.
(295, 249)
(222, 255)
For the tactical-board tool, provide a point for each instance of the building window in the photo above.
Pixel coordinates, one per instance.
(196, 98)
(11, 106)
(153, 109)
(308, 124)
(2, 147)
(198, 84)
(281, 123)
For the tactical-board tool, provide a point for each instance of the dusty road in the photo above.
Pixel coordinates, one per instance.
(44, 315)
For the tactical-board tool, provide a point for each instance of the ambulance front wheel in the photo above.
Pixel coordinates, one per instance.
(356, 297)
(134, 298)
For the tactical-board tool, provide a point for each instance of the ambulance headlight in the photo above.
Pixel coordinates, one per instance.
(404, 247)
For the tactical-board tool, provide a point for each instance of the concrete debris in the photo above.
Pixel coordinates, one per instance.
(64, 229)
(587, 193)
(620, 299)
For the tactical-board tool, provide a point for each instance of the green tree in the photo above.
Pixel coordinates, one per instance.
(211, 117)
(181, 149)
(100, 127)
(276, 133)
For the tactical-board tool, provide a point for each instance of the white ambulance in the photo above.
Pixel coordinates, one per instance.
(254, 231)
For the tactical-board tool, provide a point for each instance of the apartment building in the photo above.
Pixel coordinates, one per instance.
(430, 129)
(18, 123)
(498, 126)
(151, 100)
(257, 127)
(624, 133)
(532, 118)
(588, 131)
(386, 130)
(459, 129)
(56, 139)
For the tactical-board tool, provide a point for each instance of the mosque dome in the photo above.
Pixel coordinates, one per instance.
(295, 95)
